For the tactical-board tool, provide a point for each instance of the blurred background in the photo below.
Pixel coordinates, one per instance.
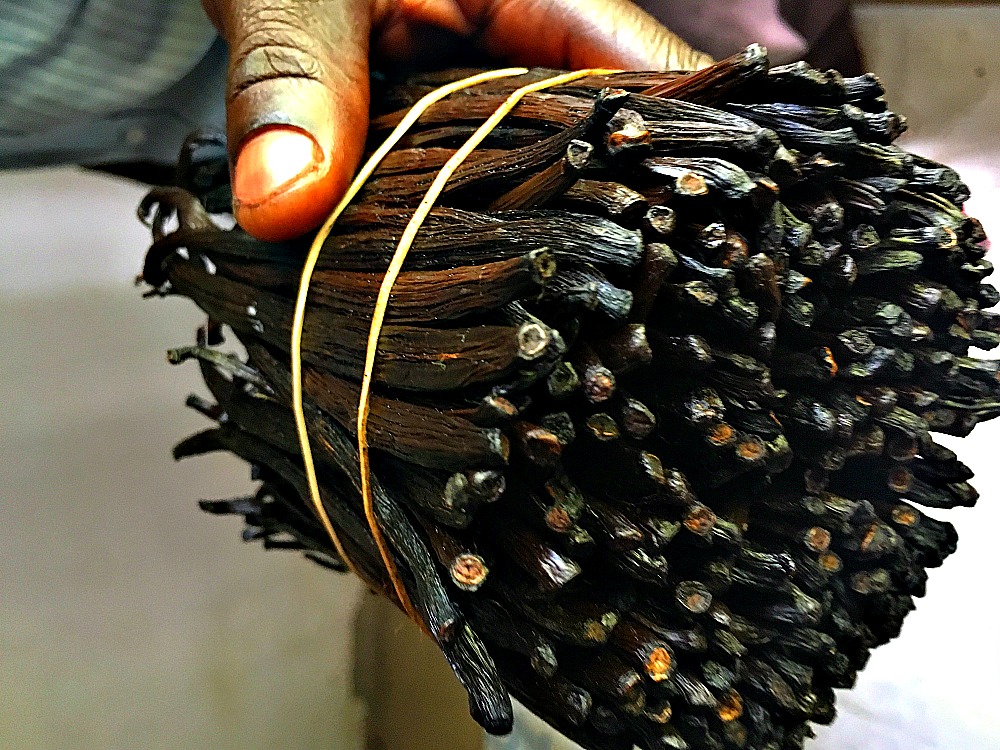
(128, 619)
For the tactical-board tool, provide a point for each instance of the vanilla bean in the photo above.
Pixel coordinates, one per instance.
(410, 431)
(823, 118)
(660, 222)
(562, 504)
(730, 139)
(405, 160)
(637, 419)
(438, 612)
(219, 362)
(493, 410)
(337, 342)
(577, 621)
(821, 210)
(863, 199)
(644, 650)
(453, 238)
(627, 133)
(489, 703)
(720, 175)
(502, 137)
(498, 626)
(561, 425)
(685, 352)
(537, 446)
(550, 183)
(598, 381)
(544, 106)
(587, 287)
(438, 295)
(604, 675)
(898, 260)
(465, 567)
(625, 350)
(610, 199)
(722, 280)
(526, 150)
(446, 499)
(658, 263)
(550, 569)
(716, 81)
(642, 565)
(417, 296)
(929, 175)
(613, 526)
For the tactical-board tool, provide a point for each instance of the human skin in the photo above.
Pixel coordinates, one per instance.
(297, 95)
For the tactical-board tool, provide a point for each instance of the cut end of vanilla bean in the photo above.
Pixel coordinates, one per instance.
(653, 411)
(532, 340)
(469, 572)
(690, 183)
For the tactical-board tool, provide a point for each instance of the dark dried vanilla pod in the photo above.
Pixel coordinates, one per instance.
(865, 199)
(800, 82)
(707, 173)
(561, 425)
(466, 569)
(585, 286)
(497, 626)
(551, 182)
(713, 83)
(819, 209)
(660, 222)
(455, 294)
(658, 263)
(573, 620)
(626, 349)
(784, 113)
(744, 141)
(551, 570)
(457, 238)
(598, 381)
(335, 342)
(928, 175)
(611, 199)
(627, 133)
(652, 412)
(560, 503)
(448, 500)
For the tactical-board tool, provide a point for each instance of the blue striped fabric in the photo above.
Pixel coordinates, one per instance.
(91, 81)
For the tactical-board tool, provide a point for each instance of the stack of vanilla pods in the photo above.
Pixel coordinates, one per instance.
(651, 429)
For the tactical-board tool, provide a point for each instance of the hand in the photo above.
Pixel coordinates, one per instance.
(297, 98)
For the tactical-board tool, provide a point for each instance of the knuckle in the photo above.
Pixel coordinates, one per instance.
(272, 47)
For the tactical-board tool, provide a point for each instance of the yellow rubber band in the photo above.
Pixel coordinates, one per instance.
(298, 321)
(382, 302)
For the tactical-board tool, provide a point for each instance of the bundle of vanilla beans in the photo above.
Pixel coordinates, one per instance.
(651, 430)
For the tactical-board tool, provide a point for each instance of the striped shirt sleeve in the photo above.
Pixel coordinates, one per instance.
(72, 66)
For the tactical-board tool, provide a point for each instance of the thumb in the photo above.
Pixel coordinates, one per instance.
(296, 107)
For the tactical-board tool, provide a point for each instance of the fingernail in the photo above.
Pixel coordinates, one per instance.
(271, 160)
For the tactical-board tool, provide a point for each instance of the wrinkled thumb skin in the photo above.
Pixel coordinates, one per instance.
(296, 107)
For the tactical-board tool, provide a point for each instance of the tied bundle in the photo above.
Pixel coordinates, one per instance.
(652, 411)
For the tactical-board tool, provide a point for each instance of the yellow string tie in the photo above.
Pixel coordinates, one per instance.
(385, 290)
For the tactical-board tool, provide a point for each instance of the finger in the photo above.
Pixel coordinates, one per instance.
(554, 33)
(584, 33)
(296, 106)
